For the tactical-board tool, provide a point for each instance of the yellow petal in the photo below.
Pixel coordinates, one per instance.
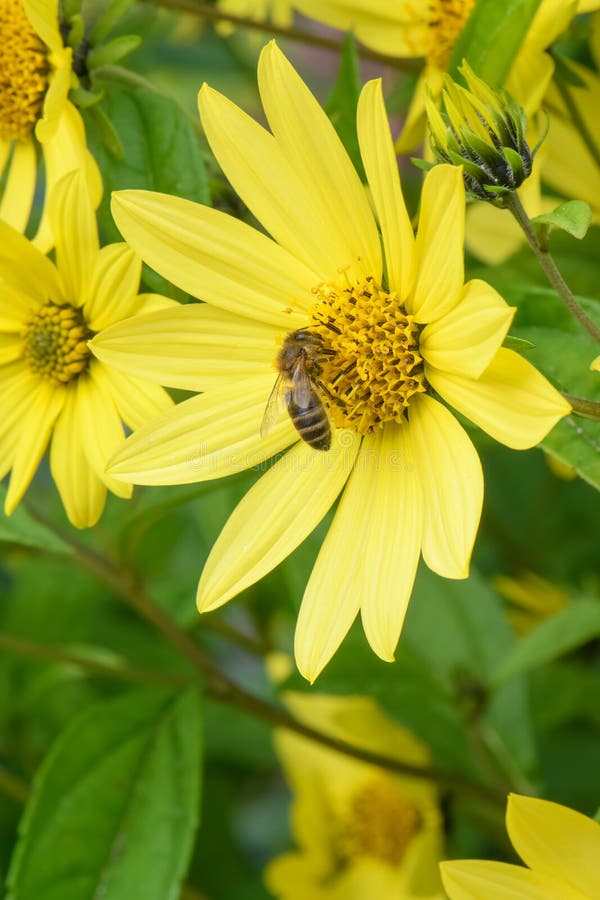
(215, 257)
(274, 517)
(43, 15)
(205, 437)
(194, 347)
(83, 494)
(377, 151)
(474, 880)
(11, 348)
(18, 386)
(35, 430)
(110, 289)
(311, 144)
(393, 526)
(26, 269)
(97, 419)
(73, 224)
(55, 99)
(330, 602)
(595, 364)
(65, 151)
(20, 186)
(137, 400)
(556, 841)
(397, 28)
(264, 178)
(439, 245)
(466, 340)
(452, 485)
(512, 401)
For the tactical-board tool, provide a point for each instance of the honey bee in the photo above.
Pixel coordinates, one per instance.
(299, 364)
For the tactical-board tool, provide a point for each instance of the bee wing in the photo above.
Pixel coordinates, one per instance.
(274, 408)
(301, 389)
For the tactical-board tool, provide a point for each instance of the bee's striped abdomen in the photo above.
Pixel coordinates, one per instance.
(311, 423)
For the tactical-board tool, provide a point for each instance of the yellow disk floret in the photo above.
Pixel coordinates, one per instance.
(371, 365)
(446, 20)
(23, 72)
(56, 343)
(379, 822)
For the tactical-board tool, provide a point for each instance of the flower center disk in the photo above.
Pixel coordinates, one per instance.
(56, 343)
(446, 20)
(371, 365)
(379, 822)
(23, 72)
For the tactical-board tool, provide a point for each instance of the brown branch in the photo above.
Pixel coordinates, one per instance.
(292, 32)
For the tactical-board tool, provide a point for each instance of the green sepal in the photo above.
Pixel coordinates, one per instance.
(519, 345)
(113, 51)
(111, 17)
(76, 31)
(423, 164)
(84, 99)
(574, 217)
(516, 164)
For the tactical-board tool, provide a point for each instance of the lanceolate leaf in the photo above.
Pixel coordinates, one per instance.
(492, 37)
(341, 106)
(568, 629)
(21, 528)
(115, 805)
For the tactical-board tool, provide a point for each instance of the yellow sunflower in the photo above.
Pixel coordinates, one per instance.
(35, 78)
(51, 387)
(360, 832)
(561, 848)
(399, 332)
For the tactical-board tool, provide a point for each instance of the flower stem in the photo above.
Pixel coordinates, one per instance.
(292, 32)
(588, 409)
(222, 689)
(513, 203)
(48, 653)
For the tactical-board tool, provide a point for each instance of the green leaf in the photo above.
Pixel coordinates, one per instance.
(21, 528)
(492, 37)
(563, 351)
(161, 151)
(115, 805)
(574, 217)
(342, 102)
(568, 629)
(470, 636)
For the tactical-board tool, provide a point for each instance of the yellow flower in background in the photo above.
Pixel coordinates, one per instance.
(387, 319)
(51, 387)
(277, 11)
(430, 29)
(360, 832)
(561, 847)
(35, 78)
(531, 599)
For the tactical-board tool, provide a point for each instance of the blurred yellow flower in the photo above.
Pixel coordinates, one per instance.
(277, 11)
(561, 847)
(532, 599)
(387, 336)
(361, 832)
(35, 78)
(51, 388)
(430, 29)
